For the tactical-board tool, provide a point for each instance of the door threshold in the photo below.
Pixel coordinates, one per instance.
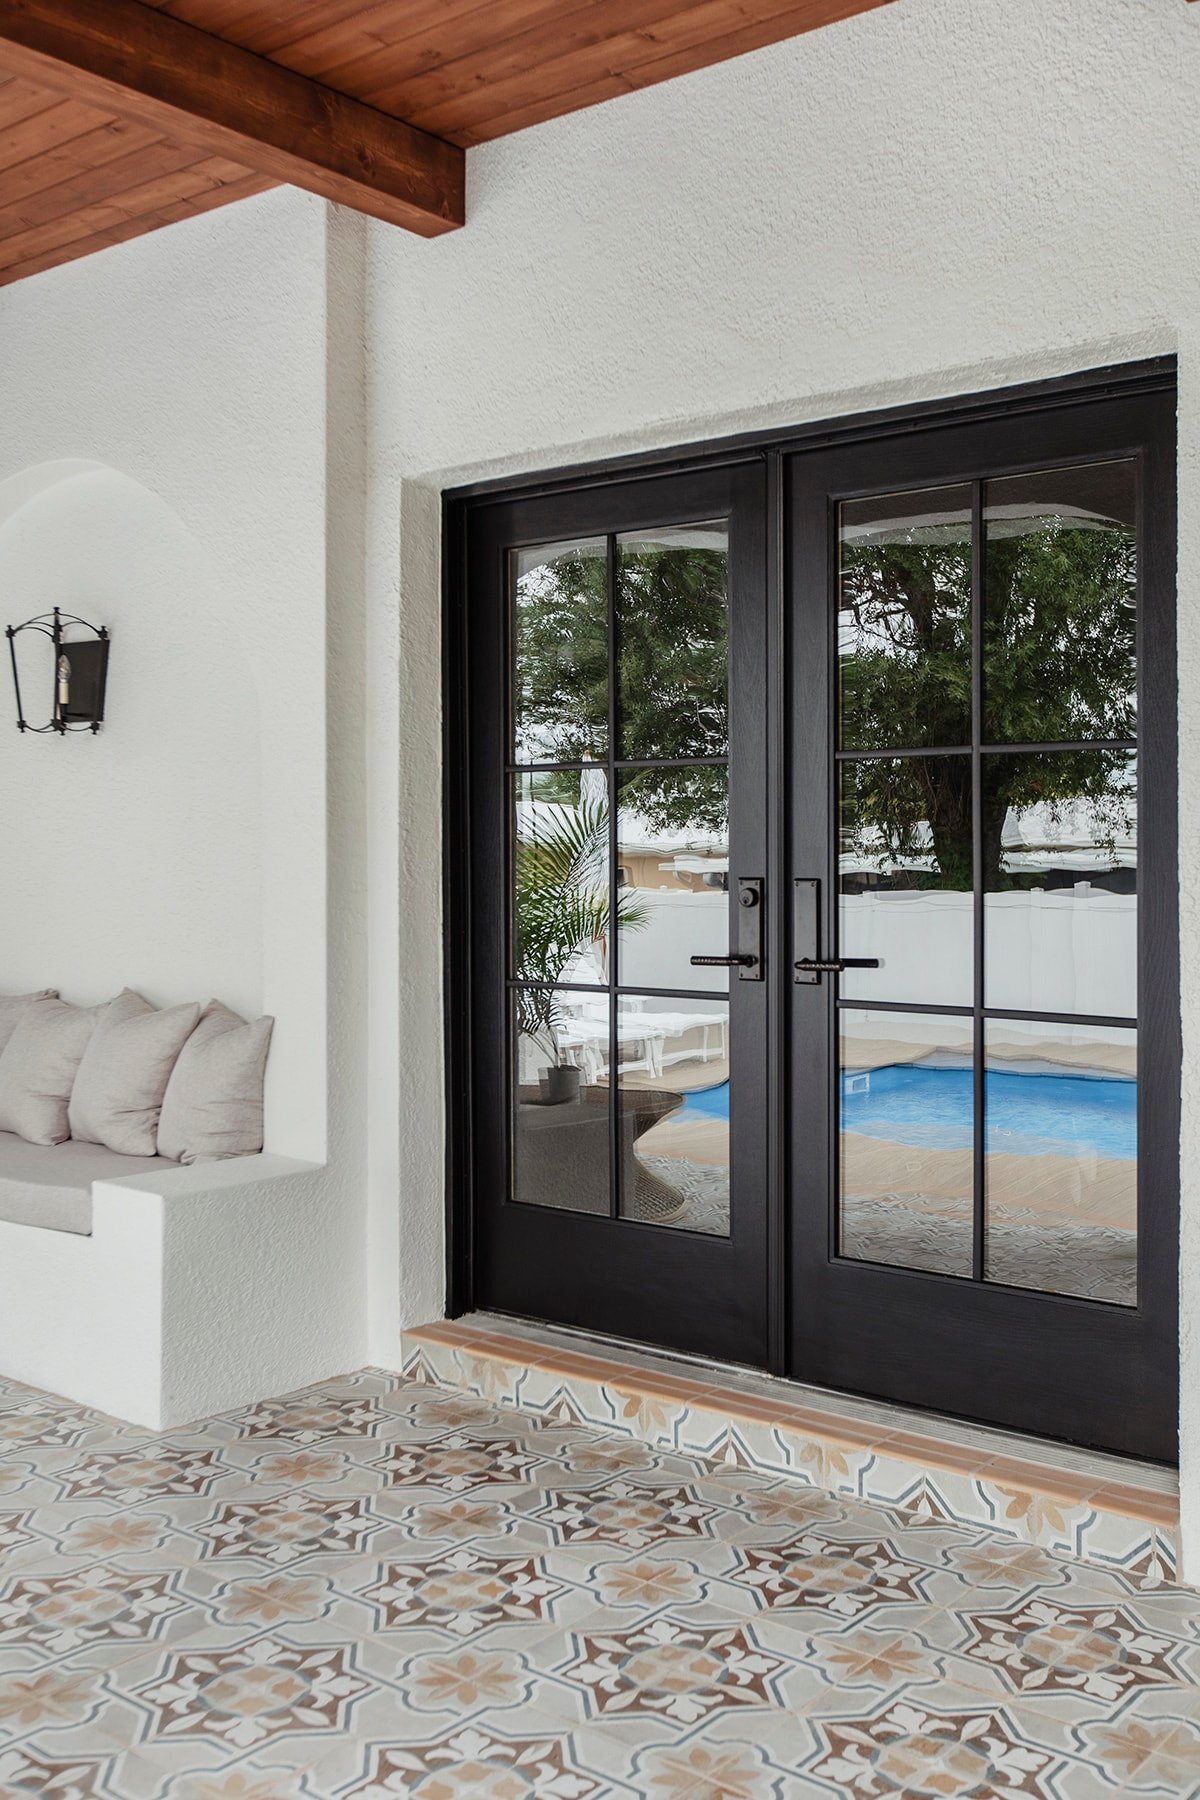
(1076, 1503)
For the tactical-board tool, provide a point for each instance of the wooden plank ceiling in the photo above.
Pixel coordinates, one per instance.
(95, 149)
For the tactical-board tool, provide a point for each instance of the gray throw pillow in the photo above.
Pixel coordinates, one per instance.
(118, 1092)
(13, 1005)
(37, 1069)
(213, 1106)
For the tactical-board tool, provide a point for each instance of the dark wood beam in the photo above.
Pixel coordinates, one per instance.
(195, 88)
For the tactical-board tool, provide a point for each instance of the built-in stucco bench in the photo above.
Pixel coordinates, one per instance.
(156, 1289)
(162, 1293)
(50, 1186)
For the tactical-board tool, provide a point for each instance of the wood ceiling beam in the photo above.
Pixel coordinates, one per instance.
(141, 64)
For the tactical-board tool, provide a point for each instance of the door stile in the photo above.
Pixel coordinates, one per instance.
(979, 947)
(777, 1058)
(1158, 970)
(810, 1009)
(614, 953)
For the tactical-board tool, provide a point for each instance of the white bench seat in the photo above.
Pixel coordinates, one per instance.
(51, 1186)
(163, 1293)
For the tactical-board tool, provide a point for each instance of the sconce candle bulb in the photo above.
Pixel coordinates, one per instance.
(80, 678)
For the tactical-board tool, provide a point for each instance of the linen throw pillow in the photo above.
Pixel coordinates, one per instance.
(118, 1092)
(37, 1069)
(213, 1106)
(13, 1005)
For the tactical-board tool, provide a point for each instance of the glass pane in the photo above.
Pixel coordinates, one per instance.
(1060, 881)
(672, 635)
(1061, 1176)
(905, 868)
(560, 876)
(907, 1140)
(673, 854)
(560, 651)
(1060, 632)
(674, 1098)
(904, 620)
(560, 1100)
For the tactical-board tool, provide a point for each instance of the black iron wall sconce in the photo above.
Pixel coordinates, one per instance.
(80, 672)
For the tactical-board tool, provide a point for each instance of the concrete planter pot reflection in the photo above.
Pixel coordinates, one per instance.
(559, 1085)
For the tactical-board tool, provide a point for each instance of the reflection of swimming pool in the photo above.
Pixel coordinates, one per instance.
(1027, 1114)
(705, 1103)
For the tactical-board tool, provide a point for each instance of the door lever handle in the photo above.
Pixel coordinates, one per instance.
(723, 962)
(814, 965)
(807, 935)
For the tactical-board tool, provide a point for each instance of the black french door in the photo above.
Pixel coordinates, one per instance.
(813, 971)
(983, 788)
(618, 834)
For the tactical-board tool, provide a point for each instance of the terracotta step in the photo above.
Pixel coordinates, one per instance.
(1077, 1503)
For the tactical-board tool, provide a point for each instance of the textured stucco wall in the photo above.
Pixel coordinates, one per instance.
(178, 457)
(137, 855)
(182, 850)
(939, 196)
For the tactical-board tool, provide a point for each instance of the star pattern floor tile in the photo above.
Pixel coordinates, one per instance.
(380, 1588)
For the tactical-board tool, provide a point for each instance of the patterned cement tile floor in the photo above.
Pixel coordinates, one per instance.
(376, 1588)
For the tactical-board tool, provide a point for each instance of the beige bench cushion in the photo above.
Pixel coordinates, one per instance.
(13, 1005)
(51, 1186)
(38, 1066)
(213, 1106)
(121, 1081)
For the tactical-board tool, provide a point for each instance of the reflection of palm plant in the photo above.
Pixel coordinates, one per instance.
(562, 907)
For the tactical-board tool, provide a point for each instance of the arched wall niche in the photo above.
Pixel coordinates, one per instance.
(135, 857)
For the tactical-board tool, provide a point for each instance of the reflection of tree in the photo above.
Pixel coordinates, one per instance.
(562, 661)
(672, 674)
(1059, 666)
(1059, 648)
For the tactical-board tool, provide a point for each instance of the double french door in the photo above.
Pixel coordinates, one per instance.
(817, 1004)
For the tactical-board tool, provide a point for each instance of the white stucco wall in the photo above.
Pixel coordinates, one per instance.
(183, 849)
(940, 196)
(167, 413)
(137, 855)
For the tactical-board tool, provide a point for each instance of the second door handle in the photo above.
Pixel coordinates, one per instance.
(814, 965)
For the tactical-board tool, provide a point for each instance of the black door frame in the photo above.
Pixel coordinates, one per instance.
(771, 448)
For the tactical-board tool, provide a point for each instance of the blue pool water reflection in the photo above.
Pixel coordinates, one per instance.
(1028, 1113)
(705, 1103)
